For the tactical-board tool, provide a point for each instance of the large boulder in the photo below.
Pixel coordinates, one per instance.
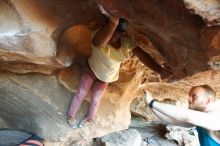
(123, 138)
(30, 31)
(39, 104)
(183, 136)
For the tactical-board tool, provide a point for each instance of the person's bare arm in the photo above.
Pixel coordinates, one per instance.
(208, 120)
(167, 119)
(171, 121)
(103, 36)
(148, 61)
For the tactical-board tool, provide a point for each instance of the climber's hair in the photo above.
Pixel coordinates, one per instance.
(122, 24)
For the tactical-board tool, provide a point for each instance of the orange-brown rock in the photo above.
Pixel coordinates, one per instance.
(180, 36)
(30, 31)
(177, 32)
(44, 36)
(74, 45)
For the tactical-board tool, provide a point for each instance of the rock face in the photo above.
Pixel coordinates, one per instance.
(174, 94)
(208, 10)
(38, 104)
(123, 138)
(34, 103)
(29, 31)
(54, 37)
(184, 136)
(182, 38)
(177, 32)
(152, 133)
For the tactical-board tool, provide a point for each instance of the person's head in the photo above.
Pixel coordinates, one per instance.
(122, 25)
(201, 96)
(121, 28)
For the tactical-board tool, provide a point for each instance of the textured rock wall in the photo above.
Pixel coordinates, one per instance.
(174, 93)
(178, 32)
(47, 36)
(208, 10)
(181, 37)
(30, 30)
(38, 104)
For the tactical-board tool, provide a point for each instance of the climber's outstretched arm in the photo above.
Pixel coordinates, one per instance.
(148, 61)
(104, 35)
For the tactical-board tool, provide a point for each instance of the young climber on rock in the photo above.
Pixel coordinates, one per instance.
(110, 47)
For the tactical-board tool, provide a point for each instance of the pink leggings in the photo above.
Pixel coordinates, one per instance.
(88, 80)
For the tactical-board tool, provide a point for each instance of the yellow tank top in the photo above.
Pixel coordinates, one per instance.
(105, 62)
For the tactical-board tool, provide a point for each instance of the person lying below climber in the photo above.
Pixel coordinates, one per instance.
(109, 49)
(203, 112)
